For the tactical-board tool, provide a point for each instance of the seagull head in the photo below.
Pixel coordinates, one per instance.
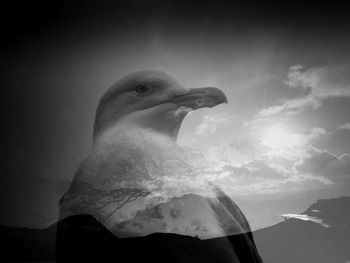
(151, 100)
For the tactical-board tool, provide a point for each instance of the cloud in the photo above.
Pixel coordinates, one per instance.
(323, 82)
(282, 139)
(316, 83)
(254, 169)
(316, 132)
(270, 170)
(344, 126)
(323, 163)
(256, 176)
(210, 124)
(293, 183)
(308, 168)
(197, 225)
(245, 145)
(262, 169)
(175, 213)
(305, 169)
(259, 146)
(291, 107)
(240, 170)
(298, 167)
(306, 218)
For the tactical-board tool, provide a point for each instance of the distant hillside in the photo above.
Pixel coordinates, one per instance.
(27, 244)
(296, 240)
(266, 210)
(82, 238)
(293, 240)
(190, 214)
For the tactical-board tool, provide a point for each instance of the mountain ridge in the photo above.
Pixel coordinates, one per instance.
(292, 240)
(305, 241)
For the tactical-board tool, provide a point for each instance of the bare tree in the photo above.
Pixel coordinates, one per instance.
(89, 199)
(109, 180)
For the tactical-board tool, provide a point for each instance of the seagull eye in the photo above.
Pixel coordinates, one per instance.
(141, 89)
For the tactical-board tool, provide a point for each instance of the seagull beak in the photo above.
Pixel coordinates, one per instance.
(200, 97)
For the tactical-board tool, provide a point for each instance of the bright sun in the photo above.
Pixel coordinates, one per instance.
(278, 138)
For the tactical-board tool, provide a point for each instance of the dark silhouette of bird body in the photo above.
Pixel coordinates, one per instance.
(135, 171)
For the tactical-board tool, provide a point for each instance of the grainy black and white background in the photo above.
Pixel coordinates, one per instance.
(284, 137)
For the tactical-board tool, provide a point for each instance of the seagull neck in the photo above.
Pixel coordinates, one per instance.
(133, 133)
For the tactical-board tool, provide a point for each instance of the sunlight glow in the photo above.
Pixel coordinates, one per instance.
(278, 137)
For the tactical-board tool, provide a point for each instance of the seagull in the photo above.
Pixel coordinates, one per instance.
(135, 163)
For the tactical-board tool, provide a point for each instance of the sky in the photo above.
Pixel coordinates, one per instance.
(285, 71)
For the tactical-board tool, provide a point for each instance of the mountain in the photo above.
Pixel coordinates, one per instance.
(82, 238)
(190, 214)
(20, 243)
(320, 234)
(265, 210)
(168, 216)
